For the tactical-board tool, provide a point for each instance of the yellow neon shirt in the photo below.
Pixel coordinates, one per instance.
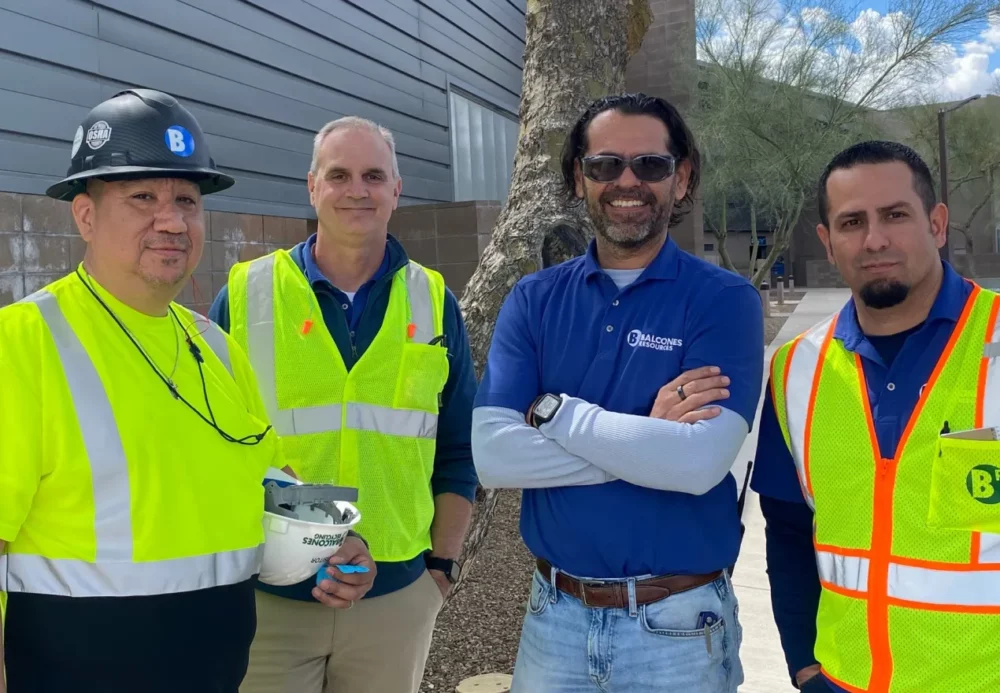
(191, 491)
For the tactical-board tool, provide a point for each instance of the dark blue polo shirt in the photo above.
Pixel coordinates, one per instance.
(568, 329)
(353, 325)
(896, 368)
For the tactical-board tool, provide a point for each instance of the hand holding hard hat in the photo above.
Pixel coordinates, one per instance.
(306, 529)
(339, 589)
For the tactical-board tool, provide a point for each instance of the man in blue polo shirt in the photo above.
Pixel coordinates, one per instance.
(592, 401)
(381, 643)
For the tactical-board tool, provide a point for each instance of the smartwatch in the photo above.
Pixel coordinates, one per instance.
(543, 409)
(445, 565)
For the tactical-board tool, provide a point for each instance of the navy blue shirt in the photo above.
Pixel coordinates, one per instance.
(896, 368)
(568, 329)
(353, 325)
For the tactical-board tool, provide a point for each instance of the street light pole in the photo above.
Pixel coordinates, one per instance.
(945, 251)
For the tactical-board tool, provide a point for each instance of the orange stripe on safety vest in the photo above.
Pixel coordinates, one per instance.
(942, 565)
(841, 551)
(984, 365)
(811, 407)
(885, 483)
(853, 594)
(846, 686)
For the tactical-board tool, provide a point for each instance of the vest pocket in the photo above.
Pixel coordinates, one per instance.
(965, 485)
(422, 374)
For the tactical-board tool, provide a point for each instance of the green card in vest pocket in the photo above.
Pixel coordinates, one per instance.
(965, 482)
(422, 376)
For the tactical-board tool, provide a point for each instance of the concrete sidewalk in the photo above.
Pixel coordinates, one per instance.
(763, 661)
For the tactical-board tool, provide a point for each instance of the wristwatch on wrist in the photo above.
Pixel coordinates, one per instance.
(446, 565)
(544, 409)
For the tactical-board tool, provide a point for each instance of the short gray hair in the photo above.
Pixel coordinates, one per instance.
(354, 122)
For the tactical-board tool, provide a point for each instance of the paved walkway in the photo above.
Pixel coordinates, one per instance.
(763, 661)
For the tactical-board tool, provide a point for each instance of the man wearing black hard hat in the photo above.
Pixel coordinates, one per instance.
(134, 443)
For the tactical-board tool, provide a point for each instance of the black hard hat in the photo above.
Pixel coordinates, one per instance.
(140, 133)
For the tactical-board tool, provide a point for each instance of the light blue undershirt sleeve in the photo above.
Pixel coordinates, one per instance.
(511, 454)
(666, 455)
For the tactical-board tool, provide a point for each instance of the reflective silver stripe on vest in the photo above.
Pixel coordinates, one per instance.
(327, 418)
(214, 337)
(944, 587)
(397, 422)
(108, 466)
(798, 389)
(846, 572)
(418, 289)
(72, 578)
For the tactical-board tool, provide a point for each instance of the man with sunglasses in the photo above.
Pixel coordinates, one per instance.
(595, 401)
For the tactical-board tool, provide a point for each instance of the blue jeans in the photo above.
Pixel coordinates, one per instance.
(567, 647)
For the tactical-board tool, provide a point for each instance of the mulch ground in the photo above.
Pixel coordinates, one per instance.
(478, 631)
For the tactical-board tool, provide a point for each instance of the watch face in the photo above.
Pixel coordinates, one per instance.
(547, 407)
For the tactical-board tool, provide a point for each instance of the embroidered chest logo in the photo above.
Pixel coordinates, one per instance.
(638, 339)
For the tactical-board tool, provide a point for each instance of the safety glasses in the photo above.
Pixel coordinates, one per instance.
(649, 168)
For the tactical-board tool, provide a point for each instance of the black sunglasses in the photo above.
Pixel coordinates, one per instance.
(649, 168)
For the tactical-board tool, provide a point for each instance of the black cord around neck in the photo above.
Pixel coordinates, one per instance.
(253, 439)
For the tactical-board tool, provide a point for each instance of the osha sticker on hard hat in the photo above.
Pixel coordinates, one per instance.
(98, 134)
(179, 141)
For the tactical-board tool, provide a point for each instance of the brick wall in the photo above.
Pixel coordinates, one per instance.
(39, 243)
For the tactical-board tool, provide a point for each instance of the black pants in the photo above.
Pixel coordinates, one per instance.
(193, 642)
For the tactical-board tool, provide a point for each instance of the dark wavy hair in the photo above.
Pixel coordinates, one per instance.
(878, 152)
(680, 144)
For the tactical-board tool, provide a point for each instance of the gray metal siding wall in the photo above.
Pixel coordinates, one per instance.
(261, 76)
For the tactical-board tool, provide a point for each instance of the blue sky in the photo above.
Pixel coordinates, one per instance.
(972, 67)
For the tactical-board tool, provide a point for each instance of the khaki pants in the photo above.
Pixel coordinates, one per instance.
(380, 645)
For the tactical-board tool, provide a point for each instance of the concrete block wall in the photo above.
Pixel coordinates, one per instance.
(39, 243)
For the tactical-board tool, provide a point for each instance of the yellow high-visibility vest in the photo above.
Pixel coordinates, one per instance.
(373, 428)
(907, 547)
(111, 486)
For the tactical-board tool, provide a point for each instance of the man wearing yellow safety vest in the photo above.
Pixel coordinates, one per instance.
(364, 368)
(878, 463)
(133, 441)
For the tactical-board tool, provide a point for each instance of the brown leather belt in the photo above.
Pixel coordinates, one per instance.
(614, 595)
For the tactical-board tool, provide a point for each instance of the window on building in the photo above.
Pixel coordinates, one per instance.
(483, 144)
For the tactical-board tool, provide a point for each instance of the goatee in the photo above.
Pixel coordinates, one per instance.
(884, 293)
(629, 235)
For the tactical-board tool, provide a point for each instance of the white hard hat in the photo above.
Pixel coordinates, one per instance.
(304, 524)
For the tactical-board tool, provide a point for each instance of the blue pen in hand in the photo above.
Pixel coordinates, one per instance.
(321, 574)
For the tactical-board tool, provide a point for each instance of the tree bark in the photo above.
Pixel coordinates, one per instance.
(575, 52)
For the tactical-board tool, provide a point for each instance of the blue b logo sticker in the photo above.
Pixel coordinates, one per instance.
(179, 141)
(983, 484)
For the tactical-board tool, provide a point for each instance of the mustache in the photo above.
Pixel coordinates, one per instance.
(167, 242)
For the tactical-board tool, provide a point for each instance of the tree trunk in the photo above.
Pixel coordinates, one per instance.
(782, 238)
(574, 52)
(721, 234)
(754, 241)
